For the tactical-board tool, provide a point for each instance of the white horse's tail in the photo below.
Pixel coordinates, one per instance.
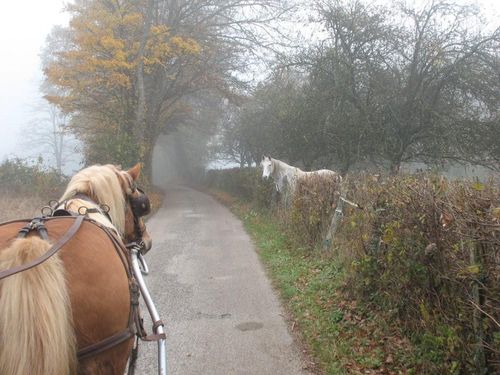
(36, 332)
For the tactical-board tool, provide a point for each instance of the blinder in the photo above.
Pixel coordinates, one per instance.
(141, 206)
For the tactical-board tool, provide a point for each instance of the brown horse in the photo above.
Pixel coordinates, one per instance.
(81, 295)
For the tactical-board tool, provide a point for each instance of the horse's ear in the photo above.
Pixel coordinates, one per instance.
(135, 171)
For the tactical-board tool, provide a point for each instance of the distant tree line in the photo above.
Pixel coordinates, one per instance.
(386, 86)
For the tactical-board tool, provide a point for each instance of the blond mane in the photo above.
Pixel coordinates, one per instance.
(102, 184)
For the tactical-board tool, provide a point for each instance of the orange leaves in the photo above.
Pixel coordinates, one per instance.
(162, 47)
(105, 42)
(185, 45)
(111, 43)
(132, 20)
(117, 79)
(159, 30)
(103, 38)
(54, 99)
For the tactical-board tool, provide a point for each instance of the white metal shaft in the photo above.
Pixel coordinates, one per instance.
(143, 264)
(162, 343)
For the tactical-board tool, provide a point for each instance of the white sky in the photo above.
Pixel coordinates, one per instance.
(24, 26)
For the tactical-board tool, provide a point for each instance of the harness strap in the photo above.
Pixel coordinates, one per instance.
(34, 225)
(102, 209)
(155, 337)
(107, 343)
(133, 357)
(54, 249)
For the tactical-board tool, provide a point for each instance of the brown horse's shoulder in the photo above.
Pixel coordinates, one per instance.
(58, 226)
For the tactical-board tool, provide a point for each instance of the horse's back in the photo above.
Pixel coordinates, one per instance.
(325, 172)
(97, 283)
(320, 173)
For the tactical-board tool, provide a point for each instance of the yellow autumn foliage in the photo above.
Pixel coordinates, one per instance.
(105, 41)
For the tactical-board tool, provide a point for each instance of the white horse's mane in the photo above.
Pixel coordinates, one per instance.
(101, 183)
(280, 171)
(284, 167)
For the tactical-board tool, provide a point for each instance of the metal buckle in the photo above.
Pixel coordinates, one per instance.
(82, 210)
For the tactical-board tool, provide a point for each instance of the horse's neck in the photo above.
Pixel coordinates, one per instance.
(283, 169)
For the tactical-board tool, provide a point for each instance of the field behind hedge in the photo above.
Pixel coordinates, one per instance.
(26, 187)
(423, 253)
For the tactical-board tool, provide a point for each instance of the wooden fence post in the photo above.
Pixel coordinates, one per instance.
(479, 357)
(334, 224)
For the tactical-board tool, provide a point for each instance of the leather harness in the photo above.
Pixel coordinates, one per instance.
(135, 324)
(37, 224)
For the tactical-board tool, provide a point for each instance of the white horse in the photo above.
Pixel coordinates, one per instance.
(279, 171)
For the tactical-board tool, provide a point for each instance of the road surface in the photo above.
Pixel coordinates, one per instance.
(221, 314)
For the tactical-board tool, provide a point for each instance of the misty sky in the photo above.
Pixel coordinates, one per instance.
(24, 26)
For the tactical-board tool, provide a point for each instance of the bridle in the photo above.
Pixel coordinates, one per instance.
(140, 206)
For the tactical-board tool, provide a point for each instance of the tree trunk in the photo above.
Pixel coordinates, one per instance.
(147, 170)
(479, 358)
(141, 94)
(395, 167)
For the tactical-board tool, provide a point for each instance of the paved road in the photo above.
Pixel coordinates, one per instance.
(221, 314)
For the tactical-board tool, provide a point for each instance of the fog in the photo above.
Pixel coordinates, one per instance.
(24, 26)
(167, 169)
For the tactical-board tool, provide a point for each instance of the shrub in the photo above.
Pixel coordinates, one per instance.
(244, 183)
(312, 206)
(20, 177)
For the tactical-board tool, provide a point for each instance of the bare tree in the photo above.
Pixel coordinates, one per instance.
(48, 135)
